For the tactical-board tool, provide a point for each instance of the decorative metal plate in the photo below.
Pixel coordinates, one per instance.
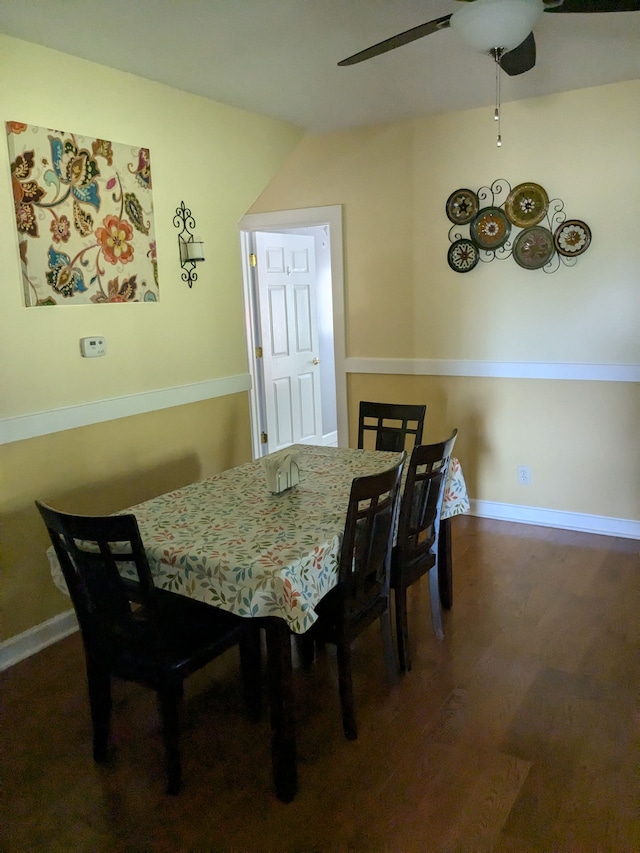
(572, 238)
(462, 206)
(526, 204)
(490, 229)
(533, 247)
(463, 255)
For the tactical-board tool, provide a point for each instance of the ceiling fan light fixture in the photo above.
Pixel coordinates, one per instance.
(487, 24)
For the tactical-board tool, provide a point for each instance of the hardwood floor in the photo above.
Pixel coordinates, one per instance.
(518, 732)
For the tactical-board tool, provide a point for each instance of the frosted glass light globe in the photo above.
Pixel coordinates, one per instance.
(486, 24)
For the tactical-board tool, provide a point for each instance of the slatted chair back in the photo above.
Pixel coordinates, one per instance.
(416, 549)
(392, 424)
(91, 551)
(422, 498)
(365, 557)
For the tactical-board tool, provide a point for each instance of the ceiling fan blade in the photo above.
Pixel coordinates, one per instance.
(522, 58)
(595, 6)
(398, 40)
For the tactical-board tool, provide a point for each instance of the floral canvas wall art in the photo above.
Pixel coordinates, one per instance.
(84, 218)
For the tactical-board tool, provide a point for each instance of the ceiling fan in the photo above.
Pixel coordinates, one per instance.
(501, 28)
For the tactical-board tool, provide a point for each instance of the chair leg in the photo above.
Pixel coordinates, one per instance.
(251, 667)
(436, 608)
(387, 639)
(168, 702)
(445, 563)
(402, 627)
(99, 683)
(306, 647)
(345, 681)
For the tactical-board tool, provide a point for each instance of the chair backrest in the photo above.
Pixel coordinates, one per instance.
(392, 423)
(91, 550)
(421, 504)
(365, 557)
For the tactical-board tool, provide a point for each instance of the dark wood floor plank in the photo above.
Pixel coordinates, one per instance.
(518, 732)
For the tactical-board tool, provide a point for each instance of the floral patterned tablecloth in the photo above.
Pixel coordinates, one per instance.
(229, 542)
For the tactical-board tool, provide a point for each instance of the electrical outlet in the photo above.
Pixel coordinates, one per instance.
(524, 475)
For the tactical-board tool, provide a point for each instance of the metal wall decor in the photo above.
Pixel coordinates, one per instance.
(191, 248)
(521, 223)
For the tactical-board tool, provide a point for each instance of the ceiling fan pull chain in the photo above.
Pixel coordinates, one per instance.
(497, 55)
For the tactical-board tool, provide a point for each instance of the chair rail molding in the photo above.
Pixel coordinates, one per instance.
(33, 424)
(496, 369)
(85, 414)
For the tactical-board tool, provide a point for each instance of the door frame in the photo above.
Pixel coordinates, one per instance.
(330, 216)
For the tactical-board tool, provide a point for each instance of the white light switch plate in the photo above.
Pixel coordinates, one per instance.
(93, 347)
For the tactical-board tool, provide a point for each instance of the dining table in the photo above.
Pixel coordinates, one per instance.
(230, 542)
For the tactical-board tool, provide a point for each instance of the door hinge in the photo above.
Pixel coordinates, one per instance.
(264, 438)
(253, 261)
(258, 352)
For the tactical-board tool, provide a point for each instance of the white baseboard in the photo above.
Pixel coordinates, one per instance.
(37, 638)
(622, 527)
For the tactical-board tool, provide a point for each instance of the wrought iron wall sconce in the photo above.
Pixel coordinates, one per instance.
(191, 248)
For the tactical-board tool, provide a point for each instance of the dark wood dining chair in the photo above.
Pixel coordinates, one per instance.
(391, 423)
(362, 593)
(416, 550)
(137, 632)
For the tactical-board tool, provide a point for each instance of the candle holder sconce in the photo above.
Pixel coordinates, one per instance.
(191, 248)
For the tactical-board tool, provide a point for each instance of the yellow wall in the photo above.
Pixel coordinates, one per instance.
(215, 158)
(582, 146)
(403, 300)
(370, 173)
(101, 469)
(579, 438)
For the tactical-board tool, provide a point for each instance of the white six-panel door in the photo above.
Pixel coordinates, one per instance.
(288, 323)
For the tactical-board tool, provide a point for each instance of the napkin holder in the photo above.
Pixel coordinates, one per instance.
(281, 471)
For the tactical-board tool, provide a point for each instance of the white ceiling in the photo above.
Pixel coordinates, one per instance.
(278, 57)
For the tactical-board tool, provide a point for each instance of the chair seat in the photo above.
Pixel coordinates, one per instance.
(330, 612)
(411, 571)
(191, 634)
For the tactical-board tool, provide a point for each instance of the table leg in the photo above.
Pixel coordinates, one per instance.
(445, 566)
(282, 712)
